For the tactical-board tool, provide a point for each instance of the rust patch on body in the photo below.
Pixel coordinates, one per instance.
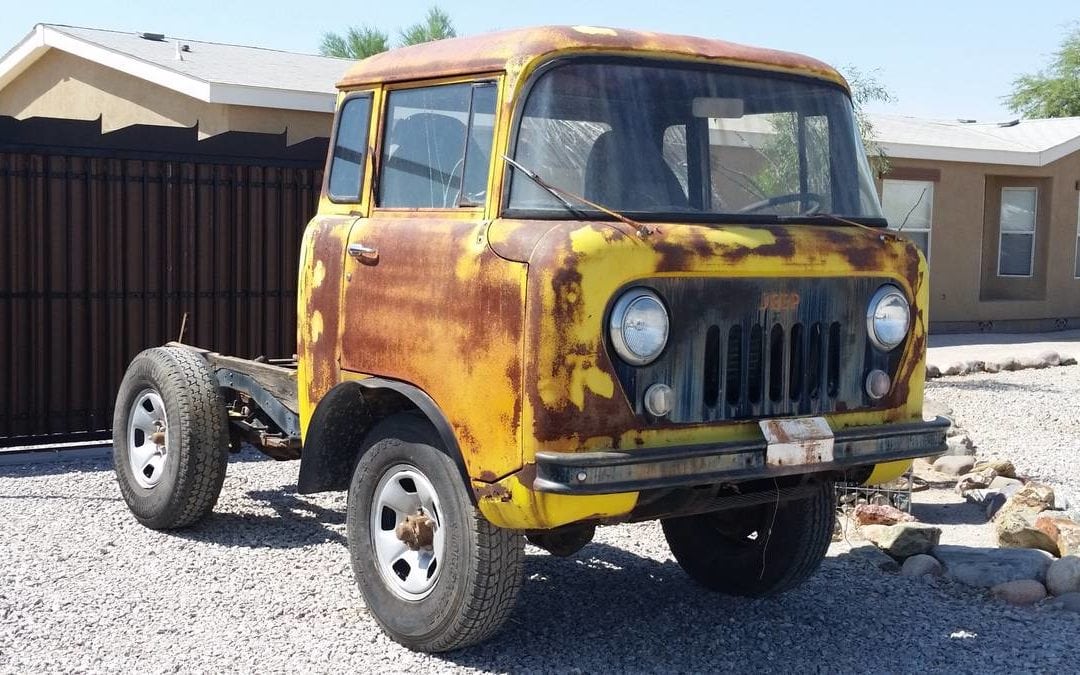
(494, 491)
(519, 50)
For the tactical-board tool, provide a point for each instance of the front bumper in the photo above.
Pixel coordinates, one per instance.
(604, 472)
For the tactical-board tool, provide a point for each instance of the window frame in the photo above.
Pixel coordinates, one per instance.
(493, 79)
(929, 229)
(1034, 231)
(368, 149)
(525, 90)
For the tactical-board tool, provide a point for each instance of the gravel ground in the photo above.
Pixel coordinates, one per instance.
(264, 586)
(1031, 417)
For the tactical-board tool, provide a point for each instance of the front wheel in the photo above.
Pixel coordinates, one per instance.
(434, 573)
(755, 550)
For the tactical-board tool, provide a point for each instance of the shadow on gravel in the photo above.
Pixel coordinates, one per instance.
(295, 523)
(609, 610)
(963, 513)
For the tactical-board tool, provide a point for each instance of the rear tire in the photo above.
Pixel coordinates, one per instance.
(455, 581)
(758, 550)
(170, 438)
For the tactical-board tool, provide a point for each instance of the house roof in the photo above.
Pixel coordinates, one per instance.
(512, 50)
(1023, 143)
(207, 71)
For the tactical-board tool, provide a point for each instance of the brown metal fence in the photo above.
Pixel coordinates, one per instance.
(101, 257)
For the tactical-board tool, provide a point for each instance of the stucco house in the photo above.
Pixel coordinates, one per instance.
(996, 207)
(149, 186)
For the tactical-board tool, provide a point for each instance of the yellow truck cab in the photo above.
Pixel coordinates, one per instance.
(565, 277)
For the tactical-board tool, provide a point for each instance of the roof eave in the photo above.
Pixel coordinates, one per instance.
(265, 97)
(970, 155)
(22, 55)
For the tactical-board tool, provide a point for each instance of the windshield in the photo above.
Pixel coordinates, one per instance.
(662, 139)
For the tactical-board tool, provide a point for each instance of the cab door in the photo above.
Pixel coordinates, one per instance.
(322, 253)
(406, 291)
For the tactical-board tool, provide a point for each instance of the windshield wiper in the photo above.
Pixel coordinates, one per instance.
(834, 219)
(564, 196)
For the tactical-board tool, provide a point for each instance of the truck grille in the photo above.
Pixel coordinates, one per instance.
(747, 348)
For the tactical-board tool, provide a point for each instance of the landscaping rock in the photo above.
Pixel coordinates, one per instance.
(1061, 502)
(921, 565)
(880, 514)
(988, 567)
(1064, 532)
(1063, 576)
(994, 504)
(975, 480)
(1009, 363)
(904, 539)
(1016, 529)
(1069, 602)
(1050, 358)
(932, 372)
(876, 557)
(1021, 592)
(955, 368)
(1038, 362)
(958, 446)
(954, 465)
(1032, 499)
(1068, 361)
(1006, 485)
(1002, 467)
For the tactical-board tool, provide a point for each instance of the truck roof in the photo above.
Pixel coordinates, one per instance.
(514, 51)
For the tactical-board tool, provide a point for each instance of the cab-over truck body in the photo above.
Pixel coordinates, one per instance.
(560, 278)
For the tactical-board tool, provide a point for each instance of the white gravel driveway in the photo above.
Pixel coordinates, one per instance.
(264, 584)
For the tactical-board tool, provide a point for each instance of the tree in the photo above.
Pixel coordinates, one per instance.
(780, 174)
(357, 43)
(866, 88)
(1055, 91)
(435, 26)
(364, 41)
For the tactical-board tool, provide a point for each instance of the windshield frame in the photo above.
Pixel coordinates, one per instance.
(581, 212)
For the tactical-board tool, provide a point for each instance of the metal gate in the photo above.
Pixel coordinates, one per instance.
(103, 256)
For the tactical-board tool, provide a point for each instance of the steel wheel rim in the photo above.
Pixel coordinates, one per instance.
(409, 574)
(148, 438)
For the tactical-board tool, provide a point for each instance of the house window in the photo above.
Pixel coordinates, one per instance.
(350, 148)
(909, 208)
(438, 146)
(1016, 246)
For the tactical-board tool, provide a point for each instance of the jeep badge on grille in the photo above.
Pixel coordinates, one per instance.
(779, 302)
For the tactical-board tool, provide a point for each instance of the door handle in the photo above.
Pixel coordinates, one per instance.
(360, 251)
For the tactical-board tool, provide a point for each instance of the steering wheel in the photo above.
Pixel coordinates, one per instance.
(815, 199)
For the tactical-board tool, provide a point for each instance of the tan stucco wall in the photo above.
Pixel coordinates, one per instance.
(958, 255)
(64, 86)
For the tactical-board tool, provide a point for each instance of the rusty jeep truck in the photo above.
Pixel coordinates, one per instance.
(560, 278)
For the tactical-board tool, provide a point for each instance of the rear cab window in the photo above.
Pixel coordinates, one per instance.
(347, 162)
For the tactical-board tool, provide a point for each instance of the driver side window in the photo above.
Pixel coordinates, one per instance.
(437, 148)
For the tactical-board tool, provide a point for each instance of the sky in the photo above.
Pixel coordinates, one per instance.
(946, 59)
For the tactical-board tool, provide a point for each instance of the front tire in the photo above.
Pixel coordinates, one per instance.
(170, 438)
(434, 573)
(755, 551)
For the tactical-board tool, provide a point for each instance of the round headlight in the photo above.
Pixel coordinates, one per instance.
(887, 318)
(639, 326)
